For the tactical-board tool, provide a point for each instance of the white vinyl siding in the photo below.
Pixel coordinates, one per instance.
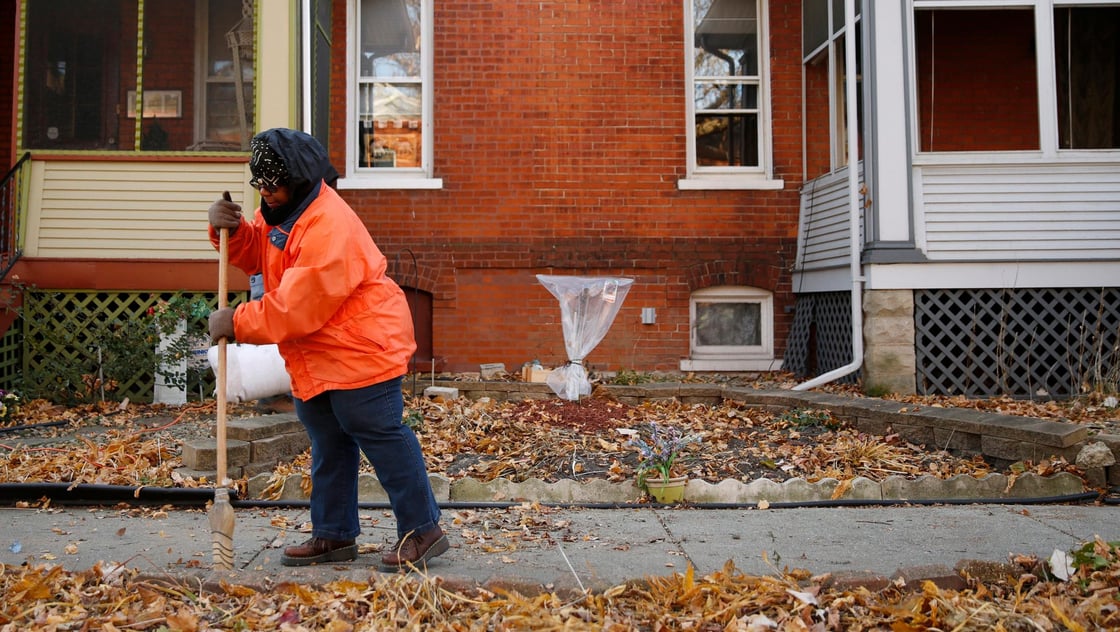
(823, 233)
(132, 210)
(1020, 212)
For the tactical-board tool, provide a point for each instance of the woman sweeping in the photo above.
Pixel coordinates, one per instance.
(345, 332)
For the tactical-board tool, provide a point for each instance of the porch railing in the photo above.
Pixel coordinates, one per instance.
(11, 196)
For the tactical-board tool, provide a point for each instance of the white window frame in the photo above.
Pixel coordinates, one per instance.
(730, 178)
(733, 358)
(373, 178)
(833, 48)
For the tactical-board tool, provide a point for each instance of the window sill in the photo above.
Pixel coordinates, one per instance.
(390, 182)
(729, 183)
(773, 364)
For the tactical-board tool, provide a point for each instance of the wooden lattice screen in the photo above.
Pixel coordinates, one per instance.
(820, 338)
(1023, 343)
(82, 346)
(11, 355)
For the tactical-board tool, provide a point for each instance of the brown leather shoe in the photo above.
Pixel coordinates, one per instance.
(414, 550)
(319, 550)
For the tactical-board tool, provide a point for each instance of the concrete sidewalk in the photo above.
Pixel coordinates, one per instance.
(540, 548)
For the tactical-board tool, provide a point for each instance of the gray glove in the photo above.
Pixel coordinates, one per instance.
(221, 324)
(225, 214)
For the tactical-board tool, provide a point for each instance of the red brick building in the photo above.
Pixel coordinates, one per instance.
(698, 147)
(560, 140)
(560, 143)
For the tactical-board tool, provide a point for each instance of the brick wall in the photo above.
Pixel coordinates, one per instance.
(560, 137)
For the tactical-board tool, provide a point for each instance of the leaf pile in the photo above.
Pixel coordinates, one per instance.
(112, 597)
(104, 443)
(556, 439)
(548, 440)
(1090, 411)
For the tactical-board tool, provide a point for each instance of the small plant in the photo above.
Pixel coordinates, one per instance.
(659, 450)
(9, 405)
(168, 314)
(810, 418)
(876, 390)
(413, 418)
(171, 320)
(626, 377)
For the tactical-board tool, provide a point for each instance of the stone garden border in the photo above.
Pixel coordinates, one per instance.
(1001, 439)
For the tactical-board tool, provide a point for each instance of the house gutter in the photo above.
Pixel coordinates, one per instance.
(854, 245)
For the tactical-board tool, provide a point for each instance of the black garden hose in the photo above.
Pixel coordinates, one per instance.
(94, 494)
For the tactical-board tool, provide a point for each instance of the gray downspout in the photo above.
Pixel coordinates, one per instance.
(854, 246)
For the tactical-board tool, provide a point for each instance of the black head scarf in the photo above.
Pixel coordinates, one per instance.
(282, 156)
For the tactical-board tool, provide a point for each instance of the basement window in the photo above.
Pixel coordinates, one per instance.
(731, 329)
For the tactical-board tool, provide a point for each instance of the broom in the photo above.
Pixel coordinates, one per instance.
(221, 512)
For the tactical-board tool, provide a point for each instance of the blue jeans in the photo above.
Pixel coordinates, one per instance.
(345, 424)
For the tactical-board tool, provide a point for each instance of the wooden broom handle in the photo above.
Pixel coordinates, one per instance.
(223, 302)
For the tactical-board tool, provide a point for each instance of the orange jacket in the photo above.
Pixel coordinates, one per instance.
(338, 320)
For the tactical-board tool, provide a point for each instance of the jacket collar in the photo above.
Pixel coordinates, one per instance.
(278, 235)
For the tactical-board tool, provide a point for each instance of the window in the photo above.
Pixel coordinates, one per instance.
(390, 95)
(731, 329)
(135, 75)
(1087, 65)
(225, 119)
(977, 79)
(1033, 75)
(824, 37)
(728, 133)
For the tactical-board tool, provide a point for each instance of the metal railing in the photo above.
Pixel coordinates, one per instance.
(11, 196)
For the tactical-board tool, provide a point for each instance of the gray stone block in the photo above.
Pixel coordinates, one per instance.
(279, 448)
(491, 370)
(933, 488)
(441, 392)
(202, 454)
(955, 440)
(254, 469)
(255, 428)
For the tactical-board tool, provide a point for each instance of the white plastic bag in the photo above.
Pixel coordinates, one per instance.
(252, 371)
(588, 306)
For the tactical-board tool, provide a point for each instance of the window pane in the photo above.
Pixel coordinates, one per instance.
(730, 140)
(726, 38)
(977, 80)
(390, 127)
(75, 51)
(228, 121)
(1087, 52)
(722, 96)
(728, 324)
(390, 91)
(838, 14)
(814, 29)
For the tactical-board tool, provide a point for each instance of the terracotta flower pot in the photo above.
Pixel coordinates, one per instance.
(666, 491)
